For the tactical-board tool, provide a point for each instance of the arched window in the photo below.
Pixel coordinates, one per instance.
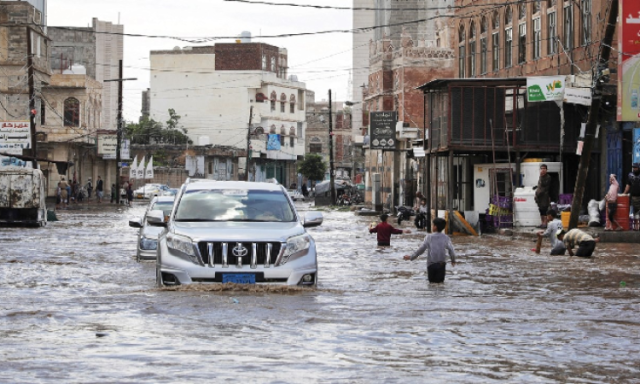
(462, 57)
(472, 49)
(483, 25)
(71, 112)
(283, 133)
(259, 131)
(273, 98)
(522, 11)
(272, 130)
(292, 137)
(472, 30)
(508, 15)
(496, 20)
(537, 6)
(315, 145)
(461, 36)
(292, 103)
(283, 101)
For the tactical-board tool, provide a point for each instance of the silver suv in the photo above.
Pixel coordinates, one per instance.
(235, 232)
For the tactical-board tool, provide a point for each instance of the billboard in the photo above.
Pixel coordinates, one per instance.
(14, 137)
(382, 127)
(629, 61)
(545, 88)
(107, 145)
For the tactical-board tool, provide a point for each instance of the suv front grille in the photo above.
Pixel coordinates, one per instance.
(223, 254)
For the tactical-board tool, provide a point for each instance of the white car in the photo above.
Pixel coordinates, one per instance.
(235, 232)
(295, 195)
(148, 234)
(148, 191)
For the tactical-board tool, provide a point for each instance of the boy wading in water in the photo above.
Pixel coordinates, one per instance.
(436, 244)
(385, 230)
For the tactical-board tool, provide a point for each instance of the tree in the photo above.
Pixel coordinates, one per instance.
(149, 131)
(312, 167)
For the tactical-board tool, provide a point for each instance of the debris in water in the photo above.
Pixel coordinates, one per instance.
(235, 301)
(101, 334)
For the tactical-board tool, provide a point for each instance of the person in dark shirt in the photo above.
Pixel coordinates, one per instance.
(542, 197)
(633, 187)
(385, 230)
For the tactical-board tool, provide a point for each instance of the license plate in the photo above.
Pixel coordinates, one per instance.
(239, 278)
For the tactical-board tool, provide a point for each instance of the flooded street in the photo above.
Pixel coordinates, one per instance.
(76, 307)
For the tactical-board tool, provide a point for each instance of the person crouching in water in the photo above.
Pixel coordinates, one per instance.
(385, 230)
(554, 226)
(586, 243)
(437, 244)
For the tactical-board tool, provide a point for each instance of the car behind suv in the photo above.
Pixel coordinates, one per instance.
(235, 232)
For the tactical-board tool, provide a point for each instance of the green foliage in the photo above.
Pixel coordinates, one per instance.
(149, 131)
(312, 167)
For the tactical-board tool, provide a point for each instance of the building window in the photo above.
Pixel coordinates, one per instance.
(273, 101)
(272, 129)
(553, 34)
(264, 62)
(585, 8)
(71, 112)
(537, 6)
(537, 38)
(461, 52)
(508, 47)
(508, 16)
(522, 43)
(43, 110)
(472, 49)
(483, 25)
(483, 55)
(273, 64)
(496, 20)
(522, 11)
(315, 148)
(472, 58)
(568, 28)
(551, 3)
(495, 53)
(283, 102)
(292, 104)
(282, 135)
(461, 61)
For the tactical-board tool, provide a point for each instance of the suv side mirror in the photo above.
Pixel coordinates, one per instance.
(312, 219)
(156, 218)
(135, 223)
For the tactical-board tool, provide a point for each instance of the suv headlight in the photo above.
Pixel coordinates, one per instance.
(181, 244)
(148, 244)
(296, 246)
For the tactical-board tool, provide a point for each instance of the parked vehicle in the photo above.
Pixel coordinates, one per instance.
(170, 192)
(22, 196)
(148, 234)
(404, 213)
(148, 191)
(295, 195)
(235, 232)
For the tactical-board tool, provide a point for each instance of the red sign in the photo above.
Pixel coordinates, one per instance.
(629, 61)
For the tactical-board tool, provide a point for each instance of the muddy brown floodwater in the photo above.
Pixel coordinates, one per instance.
(75, 307)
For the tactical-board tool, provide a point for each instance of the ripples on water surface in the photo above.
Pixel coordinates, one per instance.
(77, 308)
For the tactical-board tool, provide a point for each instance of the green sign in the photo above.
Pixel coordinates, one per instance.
(545, 88)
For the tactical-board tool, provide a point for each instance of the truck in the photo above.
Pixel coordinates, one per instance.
(22, 196)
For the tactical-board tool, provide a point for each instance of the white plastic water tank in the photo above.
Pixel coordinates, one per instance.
(530, 172)
(525, 209)
(76, 69)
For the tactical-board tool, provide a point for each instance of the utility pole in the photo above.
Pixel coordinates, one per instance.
(119, 129)
(332, 184)
(32, 100)
(246, 171)
(594, 113)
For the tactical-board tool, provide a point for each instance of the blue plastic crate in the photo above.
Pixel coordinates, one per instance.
(502, 202)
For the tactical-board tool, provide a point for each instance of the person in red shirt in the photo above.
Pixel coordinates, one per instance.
(385, 230)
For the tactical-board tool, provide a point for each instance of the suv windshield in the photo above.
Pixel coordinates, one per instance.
(234, 205)
(164, 206)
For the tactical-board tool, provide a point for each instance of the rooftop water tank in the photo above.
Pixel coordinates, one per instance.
(76, 69)
(245, 37)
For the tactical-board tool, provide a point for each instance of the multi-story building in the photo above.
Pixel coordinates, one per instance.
(410, 47)
(226, 91)
(317, 135)
(484, 116)
(360, 60)
(17, 29)
(99, 48)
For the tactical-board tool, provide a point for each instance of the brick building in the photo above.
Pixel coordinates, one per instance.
(497, 47)
(401, 58)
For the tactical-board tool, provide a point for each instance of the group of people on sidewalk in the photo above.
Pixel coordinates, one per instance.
(73, 193)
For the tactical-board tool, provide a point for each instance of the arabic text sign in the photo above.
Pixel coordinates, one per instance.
(14, 136)
(383, 130)
(580, 96)
(629, 61)
(107, 145)
(545, 88)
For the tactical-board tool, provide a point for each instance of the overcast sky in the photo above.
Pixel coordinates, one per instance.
(321, 61)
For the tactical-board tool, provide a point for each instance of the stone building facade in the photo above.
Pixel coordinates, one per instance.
(99, 48)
